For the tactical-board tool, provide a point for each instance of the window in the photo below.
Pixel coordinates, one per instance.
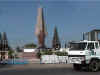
(77, 46)
(90, 46)
(96, 45)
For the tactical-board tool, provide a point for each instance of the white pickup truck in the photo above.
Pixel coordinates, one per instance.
(85, 54)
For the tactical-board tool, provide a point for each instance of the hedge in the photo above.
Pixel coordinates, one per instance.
(51, 53)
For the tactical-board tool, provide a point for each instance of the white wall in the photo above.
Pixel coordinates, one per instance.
(64, 49)
(54, 59)
(29, 50)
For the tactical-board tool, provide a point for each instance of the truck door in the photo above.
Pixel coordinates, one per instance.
(89, 51)
(91, 48)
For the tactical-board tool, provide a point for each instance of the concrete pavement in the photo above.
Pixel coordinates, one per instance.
(43, 69)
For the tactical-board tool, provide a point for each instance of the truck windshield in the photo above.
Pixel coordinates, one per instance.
(77, 46)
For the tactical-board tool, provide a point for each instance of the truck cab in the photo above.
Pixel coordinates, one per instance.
(84, 54)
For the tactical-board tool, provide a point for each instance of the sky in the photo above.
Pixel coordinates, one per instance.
(71, 17)
(49, 0)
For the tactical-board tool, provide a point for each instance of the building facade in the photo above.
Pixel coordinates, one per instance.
(92, 35)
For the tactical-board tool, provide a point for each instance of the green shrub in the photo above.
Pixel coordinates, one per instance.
(50, 52)
(38, 54)
(61, 53)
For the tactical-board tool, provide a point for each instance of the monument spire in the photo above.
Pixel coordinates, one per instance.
(56, 42)
(4, 41)
(40, 28)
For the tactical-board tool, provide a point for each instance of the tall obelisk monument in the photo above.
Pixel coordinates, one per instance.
(40, 28)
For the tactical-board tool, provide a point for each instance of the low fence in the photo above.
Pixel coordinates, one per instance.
(54, 59)
(17, 61)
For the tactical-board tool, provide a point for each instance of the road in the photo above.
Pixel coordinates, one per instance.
(43, 69)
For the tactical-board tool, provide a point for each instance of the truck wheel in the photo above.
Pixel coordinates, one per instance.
(94, 66)
(77, 66)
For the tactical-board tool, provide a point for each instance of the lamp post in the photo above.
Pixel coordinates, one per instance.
(13, 57)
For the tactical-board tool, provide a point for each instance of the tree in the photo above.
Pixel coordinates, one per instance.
(18, 49)
(56, 42)
(10, 53)
(30, 45)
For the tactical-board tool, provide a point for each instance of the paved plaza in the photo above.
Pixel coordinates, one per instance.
(43, 69)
